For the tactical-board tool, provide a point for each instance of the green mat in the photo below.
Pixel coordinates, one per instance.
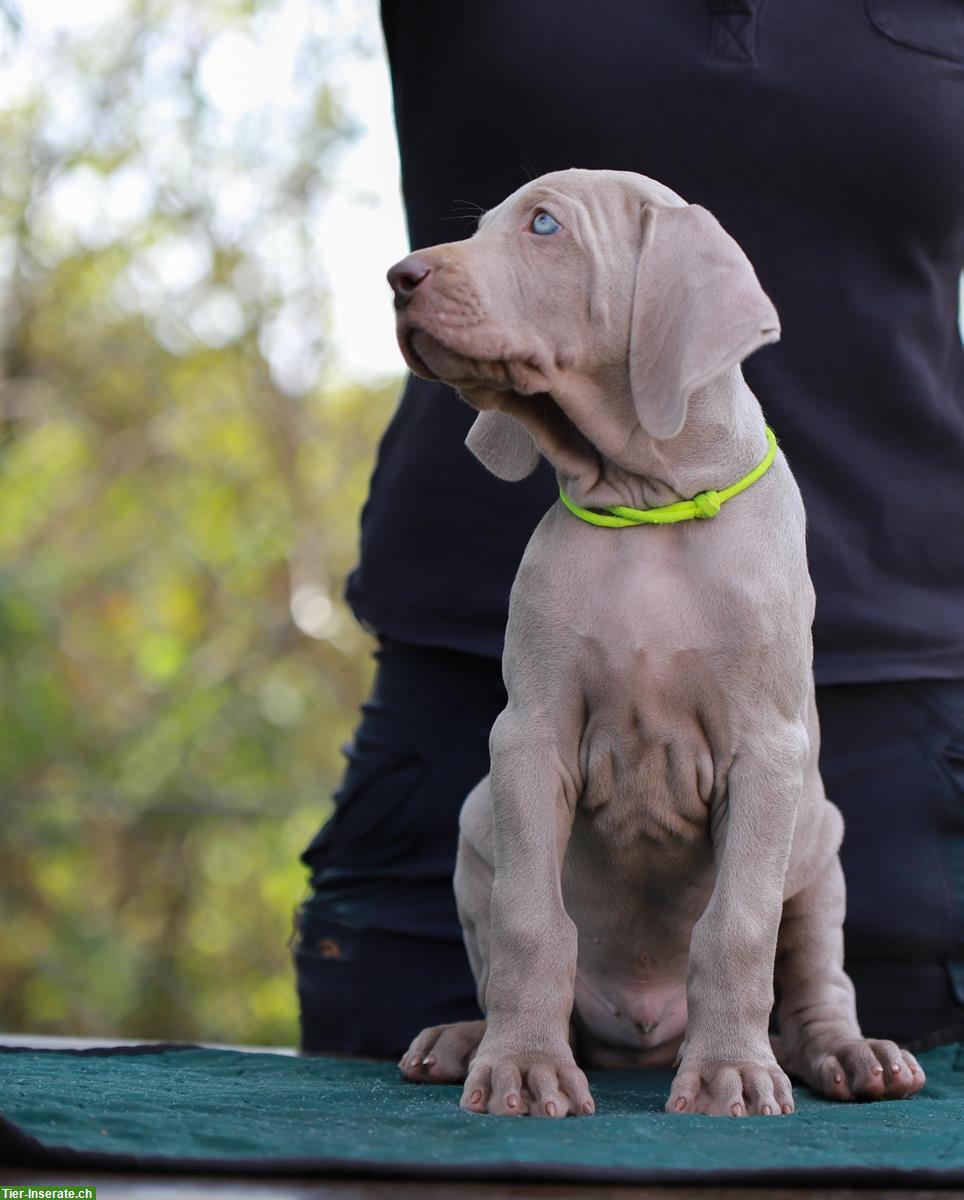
(184, 1109)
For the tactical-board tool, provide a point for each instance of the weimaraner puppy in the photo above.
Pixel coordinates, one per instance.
(652, 851)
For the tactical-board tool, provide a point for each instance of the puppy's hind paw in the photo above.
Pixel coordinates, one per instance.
(863, 1069)
(442, 1053)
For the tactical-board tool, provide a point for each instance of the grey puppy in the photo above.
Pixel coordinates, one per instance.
(653, 844)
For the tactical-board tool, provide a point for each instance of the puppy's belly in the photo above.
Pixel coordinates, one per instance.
(634, 890)
(623, 1024)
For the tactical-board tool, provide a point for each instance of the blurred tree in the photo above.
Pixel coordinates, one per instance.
(180, 477)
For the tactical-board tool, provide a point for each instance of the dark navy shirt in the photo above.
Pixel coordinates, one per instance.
(828, 138)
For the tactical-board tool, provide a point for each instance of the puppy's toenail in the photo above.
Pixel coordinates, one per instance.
(895, 1067)
(413, 1062)
(429, 1062)
(512, 1101)
(765, 1110)
(475, 1097)
(588, 1107)
(681, 1104)
(877, 1069)
(788, 1108)
(550, 1108)
(736, 1109)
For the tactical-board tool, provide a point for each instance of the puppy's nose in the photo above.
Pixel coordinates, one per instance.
(405, 277)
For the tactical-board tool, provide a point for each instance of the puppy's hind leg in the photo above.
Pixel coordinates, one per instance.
(442, 1053)
(820, 1040)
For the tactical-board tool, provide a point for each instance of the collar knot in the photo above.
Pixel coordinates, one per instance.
(702, 505)
(707, 503)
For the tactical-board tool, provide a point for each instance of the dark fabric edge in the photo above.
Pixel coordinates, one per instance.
(18, 1149)
(834, 667)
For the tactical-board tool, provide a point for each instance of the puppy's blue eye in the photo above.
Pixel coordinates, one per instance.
(543, 223)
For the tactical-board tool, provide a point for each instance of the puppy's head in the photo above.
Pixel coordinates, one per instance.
(585, 310)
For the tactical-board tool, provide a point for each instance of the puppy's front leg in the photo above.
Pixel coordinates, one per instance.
(727, 1066)
(524, 1062)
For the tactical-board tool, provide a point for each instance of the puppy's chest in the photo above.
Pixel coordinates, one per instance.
(647, 791)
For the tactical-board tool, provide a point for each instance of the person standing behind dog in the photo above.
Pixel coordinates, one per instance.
(825, 138)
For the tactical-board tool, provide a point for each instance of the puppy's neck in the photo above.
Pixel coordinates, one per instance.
(722, 439)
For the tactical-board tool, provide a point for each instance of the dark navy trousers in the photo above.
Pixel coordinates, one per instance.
(379, 951)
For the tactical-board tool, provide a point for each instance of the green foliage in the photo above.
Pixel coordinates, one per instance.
(178, 510)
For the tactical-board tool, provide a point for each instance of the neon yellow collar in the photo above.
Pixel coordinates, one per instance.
(704, 504)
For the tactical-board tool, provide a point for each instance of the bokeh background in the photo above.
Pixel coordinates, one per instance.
(198, 202)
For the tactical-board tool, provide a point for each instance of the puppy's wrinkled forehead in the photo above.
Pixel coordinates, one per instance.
(597, 193)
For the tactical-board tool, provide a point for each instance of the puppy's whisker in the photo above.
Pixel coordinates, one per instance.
(527, 167)
(471, 206)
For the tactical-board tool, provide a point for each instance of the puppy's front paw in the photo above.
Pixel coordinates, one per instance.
(519, 1084)
(730, 1089)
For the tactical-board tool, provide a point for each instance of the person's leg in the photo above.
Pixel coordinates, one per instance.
(379, 952)
(892, 759)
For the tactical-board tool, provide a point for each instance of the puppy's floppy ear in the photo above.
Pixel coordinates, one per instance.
(503, 445)
(698, 309)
